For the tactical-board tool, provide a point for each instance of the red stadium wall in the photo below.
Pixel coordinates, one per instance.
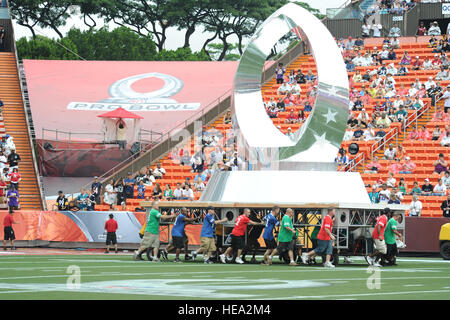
(79, 163)
(422, 234)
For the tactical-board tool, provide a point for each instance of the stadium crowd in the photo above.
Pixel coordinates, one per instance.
(10, 176)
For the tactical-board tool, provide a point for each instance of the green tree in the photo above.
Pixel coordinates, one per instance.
(41, 47)
(215, 50)
(118, 44)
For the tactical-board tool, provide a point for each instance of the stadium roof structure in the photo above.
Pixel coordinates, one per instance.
(120, 113)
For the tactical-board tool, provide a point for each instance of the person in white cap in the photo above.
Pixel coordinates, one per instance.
(434, 29)
(429, 83)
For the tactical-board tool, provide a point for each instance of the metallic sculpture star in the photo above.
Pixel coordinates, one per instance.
(330, 116)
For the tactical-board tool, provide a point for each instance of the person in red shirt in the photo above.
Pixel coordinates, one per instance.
(8, 221)
(111, 228)
(378, 238)
(2, 190)
(238, 237)
(15, 178)
(324, 241)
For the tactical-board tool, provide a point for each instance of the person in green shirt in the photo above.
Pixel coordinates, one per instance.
(151, 233)
(287, 232)
(389, 237)
(168, 193)
(416, 189)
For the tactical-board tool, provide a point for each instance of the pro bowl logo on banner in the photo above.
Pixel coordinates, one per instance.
(122, 95)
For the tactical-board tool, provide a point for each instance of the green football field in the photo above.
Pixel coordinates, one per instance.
(119, 277)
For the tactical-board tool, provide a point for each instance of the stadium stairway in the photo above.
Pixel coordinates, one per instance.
(15, 124)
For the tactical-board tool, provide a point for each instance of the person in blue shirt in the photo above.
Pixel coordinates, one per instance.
(374, 195)
(178, 235)
(129, 186)
(82, 199)
(271, 221)
(208, 245)
(141, 190)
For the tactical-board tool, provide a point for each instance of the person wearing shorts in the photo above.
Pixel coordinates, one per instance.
(285, 243)
(8, 231)
(207, 241)
(324, 241)
(238, 237)
(271, 221)
(111, 228)
(151, 233)
(378, 239)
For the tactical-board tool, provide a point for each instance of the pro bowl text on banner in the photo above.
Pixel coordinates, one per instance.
(132, 107)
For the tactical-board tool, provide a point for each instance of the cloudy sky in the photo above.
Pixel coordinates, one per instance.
(175, 38)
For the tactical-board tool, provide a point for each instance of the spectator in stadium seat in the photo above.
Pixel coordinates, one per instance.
(445, 142)
(342, 158)
(13, 160)
(395, 31)
(440, 189)
(406, 59)
(90, 201)
(292, 117)
(440, 165)
(408, 166)
(374, 195)
(358, 134)
(157, 192)
(421, 30)
(374, 166)
(442, 75)
(436, 133)
(384, 194)
(187, 193)
(280, 71)
(178, 192)
(423, 134)
(390, 153)
(394, 168)
(310, 77)
(167, 193)
(445, 206)
(376, 30)
(416, 64)
(159, 171)
(110, 196)
(141, 190)
(393, 199)
(96, 188)
(283, 89)
(434, 29)
(401, 114)
(82, 199)
(415, 207)
(13, 199)
(417, 103)
(383, 122)
(394, 44)
(391, 182)
(427, 188)
(130, 182)
(415, 189)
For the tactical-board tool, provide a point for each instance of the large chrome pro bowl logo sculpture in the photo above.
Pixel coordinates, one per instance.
(321, 135)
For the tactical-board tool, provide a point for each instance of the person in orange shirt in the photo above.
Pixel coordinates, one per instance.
(396, 166)
(401, 153)
(424, 134)
(414, 134)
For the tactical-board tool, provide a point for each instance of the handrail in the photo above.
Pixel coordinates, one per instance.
(416, 116)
